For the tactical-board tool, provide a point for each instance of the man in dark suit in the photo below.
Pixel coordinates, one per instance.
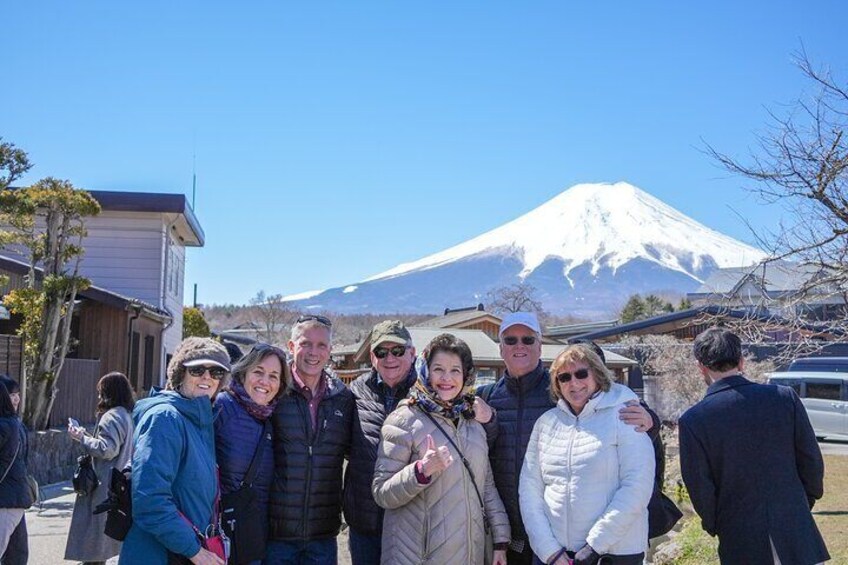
(751, 462)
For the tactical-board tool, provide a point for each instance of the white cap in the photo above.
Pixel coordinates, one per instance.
(527, 319)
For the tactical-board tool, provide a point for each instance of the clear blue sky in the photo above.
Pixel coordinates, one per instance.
(335, 140)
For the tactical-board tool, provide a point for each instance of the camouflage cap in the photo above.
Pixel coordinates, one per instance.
(392, 331)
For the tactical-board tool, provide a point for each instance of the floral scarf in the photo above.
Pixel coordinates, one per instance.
(428, 399)
(258, 411)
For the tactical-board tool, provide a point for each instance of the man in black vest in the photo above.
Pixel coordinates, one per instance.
(519, 398)
(377, 393)
(750, 462)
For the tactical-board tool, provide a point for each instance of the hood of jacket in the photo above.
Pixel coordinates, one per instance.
(197, 410)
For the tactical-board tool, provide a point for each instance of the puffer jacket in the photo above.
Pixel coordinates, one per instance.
(519, 402)
(14, 492)
(440, 521)
(361, 512)
(237, 435)
(173, 466)
(587, 479)
(306, 493)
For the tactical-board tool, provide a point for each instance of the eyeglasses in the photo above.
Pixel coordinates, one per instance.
(315, 318)
(216, 373)
(525, 339)
(383, 352)
(579, 374)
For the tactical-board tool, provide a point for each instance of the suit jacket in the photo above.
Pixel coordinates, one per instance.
(753, 470)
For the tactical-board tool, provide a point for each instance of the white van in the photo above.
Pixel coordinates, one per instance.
(825, 396)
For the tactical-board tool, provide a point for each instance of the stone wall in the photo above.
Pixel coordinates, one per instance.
(52, 456)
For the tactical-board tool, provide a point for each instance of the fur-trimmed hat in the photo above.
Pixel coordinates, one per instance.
(196, 351)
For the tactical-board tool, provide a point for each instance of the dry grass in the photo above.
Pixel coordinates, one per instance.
(830, 513)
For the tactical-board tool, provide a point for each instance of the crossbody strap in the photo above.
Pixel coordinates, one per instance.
(257, 454)
(464, 460)
(15, 456)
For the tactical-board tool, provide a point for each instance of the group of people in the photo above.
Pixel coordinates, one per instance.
(552, 466)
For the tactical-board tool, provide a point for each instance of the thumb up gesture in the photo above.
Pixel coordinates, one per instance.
(436, 459)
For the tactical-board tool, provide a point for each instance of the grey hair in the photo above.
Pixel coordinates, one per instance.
(298, 330)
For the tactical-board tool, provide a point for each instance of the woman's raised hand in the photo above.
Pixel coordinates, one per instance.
(436, 459)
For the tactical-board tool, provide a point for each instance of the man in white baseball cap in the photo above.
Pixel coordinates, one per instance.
(519, 398)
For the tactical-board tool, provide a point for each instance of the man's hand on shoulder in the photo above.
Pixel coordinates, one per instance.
(633, 414)
(482, 411)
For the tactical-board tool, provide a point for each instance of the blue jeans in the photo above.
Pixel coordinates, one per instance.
(317, 552)
(364, 549)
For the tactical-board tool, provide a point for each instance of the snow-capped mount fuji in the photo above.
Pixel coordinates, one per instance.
(585, 250)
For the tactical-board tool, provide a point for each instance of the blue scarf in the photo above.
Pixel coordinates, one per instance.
(428, 399)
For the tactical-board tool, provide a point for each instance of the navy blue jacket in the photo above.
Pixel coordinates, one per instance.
(753, 469)
(519, 403)
(237, 435)
(14, 492)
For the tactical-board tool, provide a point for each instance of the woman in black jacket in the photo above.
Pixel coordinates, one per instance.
(14, 493)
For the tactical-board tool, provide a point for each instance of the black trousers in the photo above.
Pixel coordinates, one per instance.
(17, 552)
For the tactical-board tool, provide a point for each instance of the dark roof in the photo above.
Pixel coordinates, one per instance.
(694, 313)
(151, 202)
(95, 293)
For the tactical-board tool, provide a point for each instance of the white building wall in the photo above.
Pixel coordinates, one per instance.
(123, 253)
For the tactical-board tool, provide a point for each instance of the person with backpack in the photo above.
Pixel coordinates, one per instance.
(109, 448)
(174, 477)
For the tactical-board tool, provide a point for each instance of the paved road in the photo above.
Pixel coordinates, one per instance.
(834, 447)
(48, 530)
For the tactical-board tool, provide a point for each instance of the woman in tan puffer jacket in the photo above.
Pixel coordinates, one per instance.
(433, 510)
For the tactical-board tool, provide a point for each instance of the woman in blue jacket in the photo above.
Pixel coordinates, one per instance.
(174, 479)
(241, 423)
(15, 496)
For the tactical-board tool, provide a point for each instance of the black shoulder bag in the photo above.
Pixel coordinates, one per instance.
(489, 547)
(240, 513)
(85, 479)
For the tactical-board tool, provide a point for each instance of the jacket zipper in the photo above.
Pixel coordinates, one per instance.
(568, 466)
(312, 435)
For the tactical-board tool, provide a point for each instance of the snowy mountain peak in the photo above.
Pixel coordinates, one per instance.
(599, 225)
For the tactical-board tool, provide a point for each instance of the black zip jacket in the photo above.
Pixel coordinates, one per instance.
(306, 493)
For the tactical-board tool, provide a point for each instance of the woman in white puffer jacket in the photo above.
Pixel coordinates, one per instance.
(587, 476)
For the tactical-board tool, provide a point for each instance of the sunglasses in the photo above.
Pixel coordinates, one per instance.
(525, 339)
(263, 347)
(383, 352)
(315, 318)
(578, 374)
(216, 373)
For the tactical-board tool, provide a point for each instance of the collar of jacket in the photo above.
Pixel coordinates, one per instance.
(334, 386)
(726, 383)
(375, 381)
(527, 382)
